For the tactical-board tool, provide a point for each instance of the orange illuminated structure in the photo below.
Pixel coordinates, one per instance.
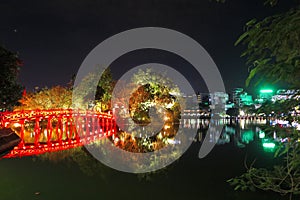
(44, 131)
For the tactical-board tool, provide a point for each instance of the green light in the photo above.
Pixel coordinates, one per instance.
(266, 91)
(247, 136)
(261, 134)
(269, 145)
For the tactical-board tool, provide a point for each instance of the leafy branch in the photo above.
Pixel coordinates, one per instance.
(283, 179)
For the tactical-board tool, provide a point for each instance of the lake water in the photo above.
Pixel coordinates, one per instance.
(31, 178)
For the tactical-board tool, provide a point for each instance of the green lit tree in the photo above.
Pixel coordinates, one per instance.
(11, 90)
(273, 51)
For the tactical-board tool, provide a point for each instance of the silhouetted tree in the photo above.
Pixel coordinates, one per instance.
(11, 90)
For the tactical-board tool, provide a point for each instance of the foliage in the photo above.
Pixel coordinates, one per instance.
(150, 94)
(143, 77)
(273, 48)
(155, 90)
(46, 98)
(273, 53)
(283, 179)
(11, 90)
(105, 86)
(84, 91)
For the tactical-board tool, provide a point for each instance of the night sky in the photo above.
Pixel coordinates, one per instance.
(53, 37)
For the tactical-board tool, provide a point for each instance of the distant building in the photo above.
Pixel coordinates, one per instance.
(218, 98)
(236, 96)
(265, 95)
(205, 100)
(241, 98)
(191, 101)
(283, 94)
(246, 99)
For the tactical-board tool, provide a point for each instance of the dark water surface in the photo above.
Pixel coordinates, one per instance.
(30, 178)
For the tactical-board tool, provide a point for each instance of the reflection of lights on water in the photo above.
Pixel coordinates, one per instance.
(269, 145)
(285, 140)
(274, 135)
(247, 136)
(261, 134)
(242, 113)
(229, 130)
(242, 123)
(15, 125)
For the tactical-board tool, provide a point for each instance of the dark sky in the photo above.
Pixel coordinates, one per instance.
(53, 37)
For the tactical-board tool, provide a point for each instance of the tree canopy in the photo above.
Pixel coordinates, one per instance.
(273, 54)
(273, 48)
(84, 94)
(46, 98)
(11, 89)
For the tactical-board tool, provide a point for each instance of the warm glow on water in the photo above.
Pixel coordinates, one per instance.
(33, 178)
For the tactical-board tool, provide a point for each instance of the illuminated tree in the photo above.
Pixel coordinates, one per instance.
(47, 98)
(273, 51)
(154, 90)
(11, 90)
(152, 99)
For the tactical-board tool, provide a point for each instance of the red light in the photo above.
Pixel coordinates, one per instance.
(27, 149)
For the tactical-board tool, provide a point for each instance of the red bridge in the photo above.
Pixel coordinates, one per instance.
(42, 131)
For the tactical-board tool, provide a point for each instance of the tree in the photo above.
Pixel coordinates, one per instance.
(154, 89)
(11, 90)
(273, 51)
(47, 98)
(84, 94)
(151, 98)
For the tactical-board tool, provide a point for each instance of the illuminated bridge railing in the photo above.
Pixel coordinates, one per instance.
(42, 131)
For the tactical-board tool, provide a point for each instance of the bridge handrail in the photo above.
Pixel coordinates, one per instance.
(33, 114)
